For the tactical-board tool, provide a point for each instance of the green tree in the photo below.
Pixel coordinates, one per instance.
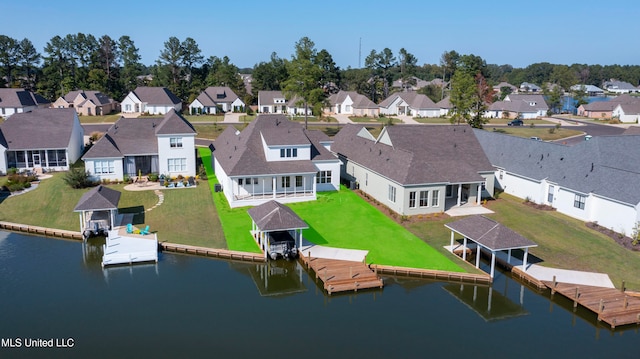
(505, 91)
(553, 94)
(330, 75)
(191, 56)
(129, 58)
(224, 73)
(169, 70)
(28, 60)
(269, 76)
(9, 49)
(304, 76)
(407, 63)
(380, 65)
(469, 98)
(107, 55)
(580, 96)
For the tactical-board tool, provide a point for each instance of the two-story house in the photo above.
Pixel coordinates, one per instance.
(144, 145)
(274, 158)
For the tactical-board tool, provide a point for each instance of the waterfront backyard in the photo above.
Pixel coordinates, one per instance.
(201, 217)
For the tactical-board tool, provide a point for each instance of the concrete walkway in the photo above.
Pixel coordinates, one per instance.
(407, 119)
(309, 249)
(467, 210)
(341, 118)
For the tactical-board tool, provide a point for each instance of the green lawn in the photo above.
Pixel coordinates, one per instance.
(235, 222)
(376, 119)
(204, 118)
(344, 220)
(187, 215)
(543, 133)
(100, 119)
(433, 120)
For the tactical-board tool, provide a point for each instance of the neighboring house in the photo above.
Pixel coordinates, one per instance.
(445, 106)
(215, 100)
(274, 159)
(594, 181)
(518, 106)
(17, 100)
(48, 139)
(498, 88)
(416, 169)
(352, 103)
(604, 109)
(410, 104)
(275, 102)
(619, 87)
(150, 100)
(144, 145)
(87, 103)
(627, 112)
(412, 84)
(529, 87)
(589, 89)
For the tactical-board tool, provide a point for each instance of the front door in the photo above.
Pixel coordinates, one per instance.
(36, 159)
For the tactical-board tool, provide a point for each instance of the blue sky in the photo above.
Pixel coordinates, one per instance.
(501, 32)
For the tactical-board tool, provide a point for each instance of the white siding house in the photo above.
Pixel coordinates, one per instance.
(594, 181)
(150, 100)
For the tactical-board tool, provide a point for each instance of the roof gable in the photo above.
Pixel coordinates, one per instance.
(47, 128)
(274, 216)
(98, 198)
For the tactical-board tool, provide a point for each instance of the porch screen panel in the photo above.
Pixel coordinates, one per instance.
(130, 166)
(155, 167)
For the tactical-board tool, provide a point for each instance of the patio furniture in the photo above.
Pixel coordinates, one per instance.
(145, 231)
(129, 228)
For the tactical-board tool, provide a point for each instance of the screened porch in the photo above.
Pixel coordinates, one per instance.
(133, 165)
(28, 159)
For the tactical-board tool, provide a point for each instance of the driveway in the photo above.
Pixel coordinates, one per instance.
(342, 118)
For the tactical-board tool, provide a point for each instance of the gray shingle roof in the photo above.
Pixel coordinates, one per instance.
(489, 233)
(267, 98)
(98, 198)
(214, 95)
(45, 128)
(156, 95)
(19, 98)
(138, 136)
(415, 100)
(242, 154)
(359, 101)
(603, 165)
(419, 155)
(274, 216)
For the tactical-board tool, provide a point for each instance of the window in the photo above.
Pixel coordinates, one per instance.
(282, 153)
(240, 180)
(435, 197)
(424, 198)
(501, 173)
(366, 179)
(255, 180)
(103, 167)
(286, 182)
(175, 142)
(295, 152)
(127, 108)
(323, 177)
(392, 193)
(412, 199)
(579, 201)
(298, 181)
(177, 164)
(288, 152)
(550, 194)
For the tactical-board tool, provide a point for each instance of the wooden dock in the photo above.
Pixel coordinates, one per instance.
(433, 274)
(613, 306)
(212, 252)
(343, 276)
(42, 231)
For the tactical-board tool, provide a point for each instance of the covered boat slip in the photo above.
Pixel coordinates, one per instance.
(98, 209)
(489, 235)
(276, 229)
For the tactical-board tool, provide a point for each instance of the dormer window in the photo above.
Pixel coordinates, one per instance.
(288, 152)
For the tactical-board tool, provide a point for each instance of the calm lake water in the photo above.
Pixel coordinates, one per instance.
(197, 307)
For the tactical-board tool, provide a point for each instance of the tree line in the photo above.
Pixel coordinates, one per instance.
(112, 66)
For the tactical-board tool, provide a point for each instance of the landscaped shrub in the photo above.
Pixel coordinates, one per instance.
(18, 182)
(78, 178)
(202, 172)
(153, 177)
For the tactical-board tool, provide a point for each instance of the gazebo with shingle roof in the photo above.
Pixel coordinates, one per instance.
(491, 235)
(273, 217)
(98, 208)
